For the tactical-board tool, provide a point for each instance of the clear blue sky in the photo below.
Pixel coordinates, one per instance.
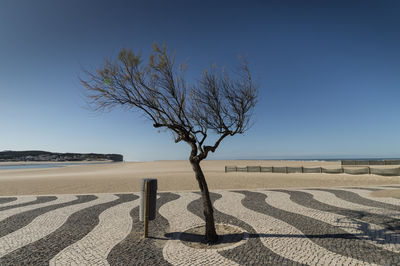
(329, 74)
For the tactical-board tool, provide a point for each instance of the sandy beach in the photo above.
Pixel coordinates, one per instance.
(175, 176)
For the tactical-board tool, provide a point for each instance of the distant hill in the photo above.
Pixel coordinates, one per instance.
(37, 156)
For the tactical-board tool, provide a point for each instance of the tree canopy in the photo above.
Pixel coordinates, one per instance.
(217, 103)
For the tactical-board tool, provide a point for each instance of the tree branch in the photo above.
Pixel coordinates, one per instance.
(217, 104)
(207, 149)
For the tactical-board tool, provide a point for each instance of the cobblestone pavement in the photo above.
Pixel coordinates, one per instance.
(332, 226)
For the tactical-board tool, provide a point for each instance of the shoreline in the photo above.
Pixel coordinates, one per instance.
(51, 162)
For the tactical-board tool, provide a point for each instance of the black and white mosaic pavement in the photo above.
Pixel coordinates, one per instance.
(332, 226)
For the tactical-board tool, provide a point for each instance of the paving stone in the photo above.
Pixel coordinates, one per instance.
(370, 233)
(277, 235)
(252, 252)
(357, 199)
(24, 201)
(134, 249)
(366, 194)
(339, 226)
(114, 225)
(43, 225)
(4, 200)
(180, 219)
(53, 200)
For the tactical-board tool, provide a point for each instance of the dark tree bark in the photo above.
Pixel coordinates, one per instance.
(210, 233)
(217, 104)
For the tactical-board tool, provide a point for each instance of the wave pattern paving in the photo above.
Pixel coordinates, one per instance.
(304, 227)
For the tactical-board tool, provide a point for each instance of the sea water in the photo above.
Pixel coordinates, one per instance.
(40, 165)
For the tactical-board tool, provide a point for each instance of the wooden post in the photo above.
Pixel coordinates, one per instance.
(286, 170)
(272, 169)
(320, 170)
(384, 162)
(302, 169)
(235, 168)
(369, 170)
(226, 169)
(342, 170)
(146, 210)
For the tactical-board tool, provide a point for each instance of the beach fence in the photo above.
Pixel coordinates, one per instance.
(370, 162)
(308, 170)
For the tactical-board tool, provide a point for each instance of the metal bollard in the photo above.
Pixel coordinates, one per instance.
(148, 198)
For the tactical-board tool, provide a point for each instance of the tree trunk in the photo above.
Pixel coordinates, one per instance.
(210, 234)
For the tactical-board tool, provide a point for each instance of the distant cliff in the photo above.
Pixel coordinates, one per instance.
(20, 156)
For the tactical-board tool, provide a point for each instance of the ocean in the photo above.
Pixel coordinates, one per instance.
(40, 165)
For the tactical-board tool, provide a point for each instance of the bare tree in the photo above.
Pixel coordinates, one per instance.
(215, 106)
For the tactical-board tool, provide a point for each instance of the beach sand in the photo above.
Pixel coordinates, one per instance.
(177, 176)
